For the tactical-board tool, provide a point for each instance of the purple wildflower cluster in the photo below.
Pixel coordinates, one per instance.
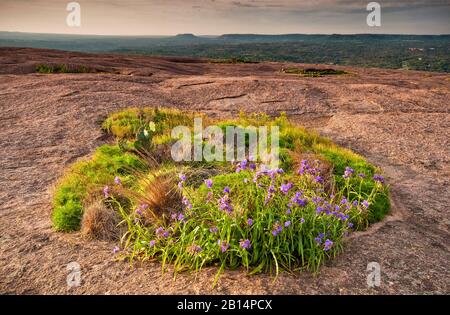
(324, 206)
(244, 165)
(298, 200)
(306, 168)
(186, 202)
(225, 204)
(160, 232)
(378, 178)
(182, 178)
(327, 244)
(277, 229)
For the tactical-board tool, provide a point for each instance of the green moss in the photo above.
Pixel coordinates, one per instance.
(86, 176)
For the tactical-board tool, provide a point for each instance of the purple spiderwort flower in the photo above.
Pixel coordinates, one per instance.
(355, 203)
(343, 201)
(116, 249)
(106, 191)
(208, 183)
(362, 175)
(252, 166)
(226, 190)
(288, 211)
(319, 179)
(378, 178)
(319, 210)
(277, 229)
(319, 238)
(186, 202)
(304, 167)
(365, 204)
(245, 244)
(225, 204)
(182, 177)
(286, 187)
(152, 243)
(139, 212)
(298, 200)
(302, 220)
(117, 181)
(250, 221)
(348, 172)
(223, 246)
(287, 224)
(160, 232)
(327, 245)
(350, 224)
(213, 229)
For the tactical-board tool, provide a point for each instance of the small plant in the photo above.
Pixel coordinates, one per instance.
(234, 61)
(312, 72)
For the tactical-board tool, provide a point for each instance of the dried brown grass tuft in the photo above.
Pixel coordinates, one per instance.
(100, 222)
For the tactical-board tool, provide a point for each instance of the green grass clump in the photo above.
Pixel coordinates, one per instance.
(127, 123)
(62, 68)
(234, 61)
(312, 72)
(87, 176)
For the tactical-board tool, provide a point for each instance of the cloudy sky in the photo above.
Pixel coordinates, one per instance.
(213, 17)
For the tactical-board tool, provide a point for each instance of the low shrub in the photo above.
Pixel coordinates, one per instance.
(313, 72)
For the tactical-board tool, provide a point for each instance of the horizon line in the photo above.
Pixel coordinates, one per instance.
(218, 35)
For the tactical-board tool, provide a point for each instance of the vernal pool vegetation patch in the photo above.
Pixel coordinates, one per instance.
(194, 214)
